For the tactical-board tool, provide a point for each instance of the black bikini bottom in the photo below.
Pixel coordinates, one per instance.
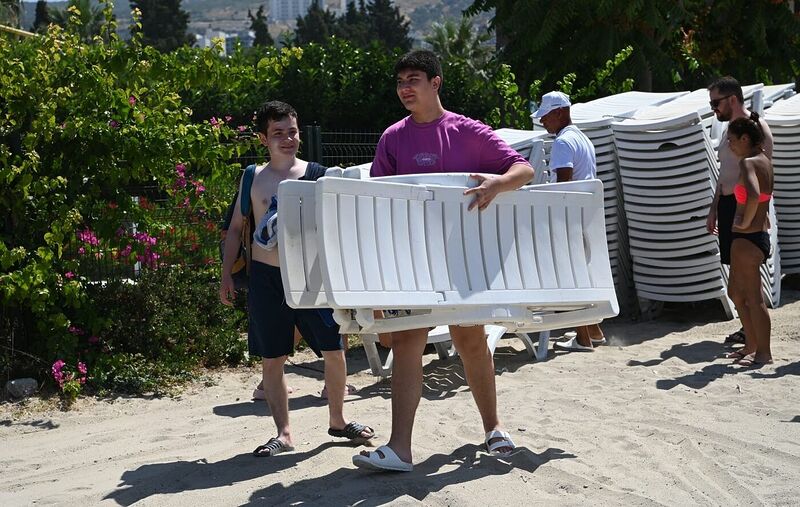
(759, 239)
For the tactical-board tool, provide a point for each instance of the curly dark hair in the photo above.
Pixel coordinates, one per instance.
(749, 126)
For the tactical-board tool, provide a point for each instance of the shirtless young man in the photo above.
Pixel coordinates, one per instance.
(271, 321)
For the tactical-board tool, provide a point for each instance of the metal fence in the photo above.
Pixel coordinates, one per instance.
(329, 147)
(182, 237)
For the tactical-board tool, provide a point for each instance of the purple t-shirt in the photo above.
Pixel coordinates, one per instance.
(451, 144)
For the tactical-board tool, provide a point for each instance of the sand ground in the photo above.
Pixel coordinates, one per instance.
(657, 417)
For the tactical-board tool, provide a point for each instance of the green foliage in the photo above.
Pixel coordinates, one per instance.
(163, 24)
(81, 125)
(388, 25)
(449, 41)
(42, 19)
(754, 41)
(677, 45)
(79, 17)
(316, 26)
(378, 20)
(85, 127)
(354, 25)
(10, 12)
(258, 24)
(162, 327)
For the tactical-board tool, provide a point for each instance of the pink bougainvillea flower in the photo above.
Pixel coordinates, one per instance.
(132, 100)
(87, 236)
(82, 368)
(180, 169)
(113, 124)
(180, 182)
(69, 275)
(228, 118)
(75, 330)
(241, 128)
(58, 375)
(214, 122)
(81, 250)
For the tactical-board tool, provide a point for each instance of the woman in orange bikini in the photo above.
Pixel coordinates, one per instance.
(750, 244)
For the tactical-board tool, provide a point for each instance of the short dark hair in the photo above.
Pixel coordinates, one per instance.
(750, 126)
(420, 59)
(274, 110)
(728, 85)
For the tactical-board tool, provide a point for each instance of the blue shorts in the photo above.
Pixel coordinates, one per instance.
(272, 321)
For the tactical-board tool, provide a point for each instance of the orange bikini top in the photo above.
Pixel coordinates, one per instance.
(741, 194)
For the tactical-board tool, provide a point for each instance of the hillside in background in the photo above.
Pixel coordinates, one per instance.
(231, 15)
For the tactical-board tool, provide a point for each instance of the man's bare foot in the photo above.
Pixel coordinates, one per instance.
(258, 392)
(348, 389)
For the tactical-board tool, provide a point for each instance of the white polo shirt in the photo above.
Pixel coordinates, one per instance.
(573, 149)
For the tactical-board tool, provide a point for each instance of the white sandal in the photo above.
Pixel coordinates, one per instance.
(504, 442)
(390, 462)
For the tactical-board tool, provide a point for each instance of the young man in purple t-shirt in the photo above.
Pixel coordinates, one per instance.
(432, 140)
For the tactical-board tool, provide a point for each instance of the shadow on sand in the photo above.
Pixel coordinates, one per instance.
(352, 486)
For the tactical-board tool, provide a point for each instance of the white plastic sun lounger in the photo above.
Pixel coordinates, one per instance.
(513, 280)
(300, 268)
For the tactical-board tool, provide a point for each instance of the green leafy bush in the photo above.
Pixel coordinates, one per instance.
(113, 152)
(160, 328)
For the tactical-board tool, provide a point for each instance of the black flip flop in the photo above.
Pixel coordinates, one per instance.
(273, 447)
(352, 431)
(737, 337)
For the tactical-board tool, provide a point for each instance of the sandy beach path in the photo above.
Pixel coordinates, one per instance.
(657, 417)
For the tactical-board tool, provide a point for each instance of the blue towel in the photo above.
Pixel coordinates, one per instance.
(266, 234)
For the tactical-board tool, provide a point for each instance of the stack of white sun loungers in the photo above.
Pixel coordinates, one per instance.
(784, 122)
(535, 259)
(532, 145)
(594, 118)
(669, 170)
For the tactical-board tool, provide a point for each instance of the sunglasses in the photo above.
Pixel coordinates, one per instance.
(715, 103)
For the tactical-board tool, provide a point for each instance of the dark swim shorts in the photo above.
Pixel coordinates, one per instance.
(272, 321)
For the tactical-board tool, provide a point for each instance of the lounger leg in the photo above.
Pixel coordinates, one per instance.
(526, 340)
(444, 349)
(374, 358)
(494, 334)
(544, 341)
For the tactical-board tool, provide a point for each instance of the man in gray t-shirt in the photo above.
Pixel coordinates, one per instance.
(572, 158)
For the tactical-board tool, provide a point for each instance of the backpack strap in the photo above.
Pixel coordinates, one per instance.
(314, 171)
(247, 183)
(245, 205)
